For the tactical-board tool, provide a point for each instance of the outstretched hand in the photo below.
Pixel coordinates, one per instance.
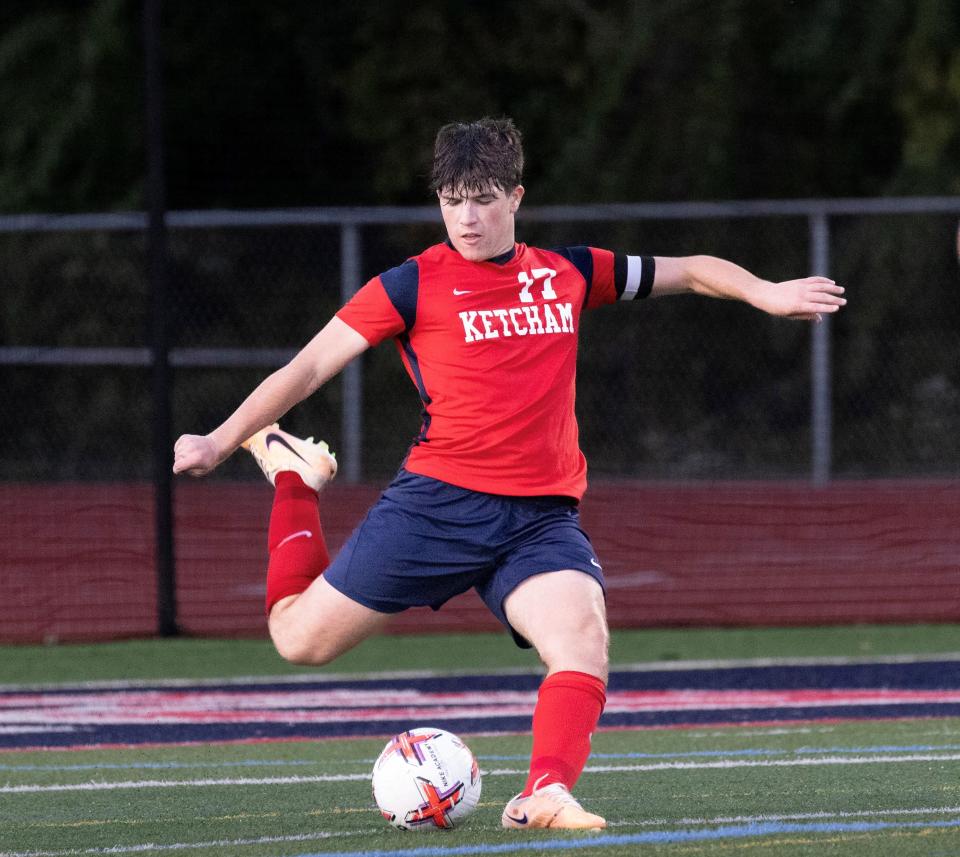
(195, 454)
(807, 299)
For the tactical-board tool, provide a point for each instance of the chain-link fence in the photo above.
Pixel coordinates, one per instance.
(674, 389)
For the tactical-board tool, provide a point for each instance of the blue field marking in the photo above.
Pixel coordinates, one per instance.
(907, 675)
(167, 766)
(191, 733)
(658, 837)
(880, 748)
(384, 718)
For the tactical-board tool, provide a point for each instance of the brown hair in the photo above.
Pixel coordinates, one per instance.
(473, 156)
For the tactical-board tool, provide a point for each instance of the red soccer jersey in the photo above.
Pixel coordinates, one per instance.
(492, 349)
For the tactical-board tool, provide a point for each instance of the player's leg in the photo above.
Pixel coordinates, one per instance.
(310, 622)
(562, 614)
(423, 542)
(320, 624)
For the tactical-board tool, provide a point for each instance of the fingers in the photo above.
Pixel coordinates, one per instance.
(807, 299)
(829, 291)
(818, 296)
(189, 457)
(824, 284)
(828, 302)
(820, 285)
(181, 465)
(823, 305)
(180, 454)
(185, 464)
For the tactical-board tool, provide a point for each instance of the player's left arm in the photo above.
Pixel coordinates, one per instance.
(807, 298)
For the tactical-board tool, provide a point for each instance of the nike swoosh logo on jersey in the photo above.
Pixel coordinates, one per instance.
(275, 438)
(594, 562)
(459, 292)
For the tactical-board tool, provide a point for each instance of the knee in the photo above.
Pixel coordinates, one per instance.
(297, 647)
(582, 646)
(593, 639)
(295, 653)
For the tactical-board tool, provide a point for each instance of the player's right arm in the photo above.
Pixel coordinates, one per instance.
(322, 358)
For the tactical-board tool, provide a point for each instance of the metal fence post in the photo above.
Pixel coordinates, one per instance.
(351, 417)
(156, 239)
(821, 414)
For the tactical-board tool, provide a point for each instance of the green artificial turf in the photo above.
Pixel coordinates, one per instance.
(856, 789)
(819, 790)
(206, 658)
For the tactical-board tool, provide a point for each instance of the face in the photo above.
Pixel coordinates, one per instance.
(480, 224)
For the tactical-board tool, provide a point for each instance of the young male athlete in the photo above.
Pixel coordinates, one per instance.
(487, 495)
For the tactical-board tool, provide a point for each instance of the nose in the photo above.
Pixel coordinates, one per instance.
(468, 212)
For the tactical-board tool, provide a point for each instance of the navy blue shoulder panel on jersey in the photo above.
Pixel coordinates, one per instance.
(402, 285)
(582, 259)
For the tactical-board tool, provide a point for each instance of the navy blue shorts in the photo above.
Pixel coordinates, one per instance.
(425, 541)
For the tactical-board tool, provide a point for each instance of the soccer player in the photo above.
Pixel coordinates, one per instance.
(487, 496)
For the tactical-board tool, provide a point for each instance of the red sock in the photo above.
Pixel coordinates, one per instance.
(568, 708)
(298, 552)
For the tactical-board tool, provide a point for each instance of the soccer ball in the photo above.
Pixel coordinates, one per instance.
(426, 779)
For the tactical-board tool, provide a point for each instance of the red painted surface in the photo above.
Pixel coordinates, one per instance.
(76, 561)
(193, 705)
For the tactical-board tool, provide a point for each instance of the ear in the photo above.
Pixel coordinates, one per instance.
(515, 196)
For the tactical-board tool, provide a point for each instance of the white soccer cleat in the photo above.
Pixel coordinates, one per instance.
(276, 450)
(551, 806)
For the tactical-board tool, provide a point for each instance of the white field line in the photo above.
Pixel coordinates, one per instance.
(593, 769)
(797, 816)
(154, 847)
(327, 678)
(756, 752)
(308, 837)
(29, 730)
(810, 661)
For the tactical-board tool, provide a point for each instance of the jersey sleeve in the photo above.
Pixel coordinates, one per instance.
(613, 277)
(386, 306)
